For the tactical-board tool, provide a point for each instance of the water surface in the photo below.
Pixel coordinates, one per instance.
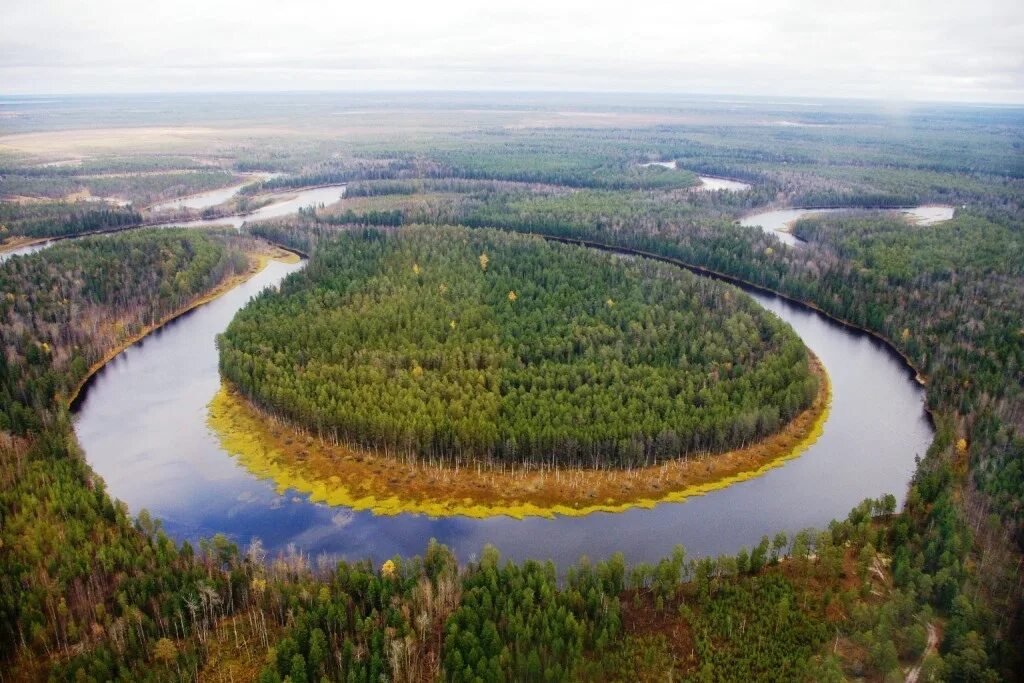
(283, 204)
(711, 183)
(200, 201)
(206, 200)
(708, 183)
(24, 251)
(779, 221)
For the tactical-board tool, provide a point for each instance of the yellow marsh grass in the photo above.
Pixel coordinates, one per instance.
(337, 475)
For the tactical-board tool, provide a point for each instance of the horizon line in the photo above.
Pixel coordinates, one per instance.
(9, 95)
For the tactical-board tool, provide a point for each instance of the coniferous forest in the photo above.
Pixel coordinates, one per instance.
(400, 335)
(457, 345)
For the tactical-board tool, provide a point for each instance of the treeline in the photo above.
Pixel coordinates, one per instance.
(556, 170)
(140, 189)
(554, 164)
(379, 218)
(515, 623)
(757, 615)
(59, 219)
(465, 346)
(363, 623)
(335, 174)
(529, 209)
(376, 188)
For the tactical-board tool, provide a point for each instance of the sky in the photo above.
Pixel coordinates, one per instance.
(962, 50)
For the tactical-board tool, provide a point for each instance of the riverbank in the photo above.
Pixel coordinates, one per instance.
(338, 475)
(14, 245)
(258, 260)
(264, 201)
(21, 242)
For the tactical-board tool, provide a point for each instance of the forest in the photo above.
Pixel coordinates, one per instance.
(64, 311)
(60, 219)
(451, 345)
(89, 591)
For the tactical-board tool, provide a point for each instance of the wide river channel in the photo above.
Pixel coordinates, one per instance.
(142, 423)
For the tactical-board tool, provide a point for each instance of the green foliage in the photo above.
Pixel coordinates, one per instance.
(91, 596)
(111, 179)
(412, 343)
(756, 630)
(515, 624)
(60, 219)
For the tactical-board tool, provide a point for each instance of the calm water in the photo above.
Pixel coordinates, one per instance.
(778, 222)
(205, 200)
(284, 205)
(708, 183)
(711, 183)
(142, 423)
(22, 251)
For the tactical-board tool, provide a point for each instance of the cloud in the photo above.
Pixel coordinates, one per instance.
(913, 49)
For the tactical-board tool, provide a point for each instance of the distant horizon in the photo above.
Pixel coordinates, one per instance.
(783, 98)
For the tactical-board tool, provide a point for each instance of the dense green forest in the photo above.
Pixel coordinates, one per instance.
(123, 601)
(90, 593)
(455, 345)
(59, 219)
(64, 310)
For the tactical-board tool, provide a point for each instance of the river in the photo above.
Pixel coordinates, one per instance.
(708, 183)
(779, 221)
(205, 200)
(142, 423)
(200, 201)
(283, 204)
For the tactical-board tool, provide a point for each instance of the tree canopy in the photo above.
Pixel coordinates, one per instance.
(462, 345)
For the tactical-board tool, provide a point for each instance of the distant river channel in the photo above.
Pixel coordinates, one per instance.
(779, 222)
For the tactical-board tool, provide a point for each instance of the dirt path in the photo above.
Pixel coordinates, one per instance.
(933, 642)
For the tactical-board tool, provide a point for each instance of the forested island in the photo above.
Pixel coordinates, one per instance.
(457, 346)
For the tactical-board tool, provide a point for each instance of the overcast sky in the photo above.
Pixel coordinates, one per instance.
(894, 49)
